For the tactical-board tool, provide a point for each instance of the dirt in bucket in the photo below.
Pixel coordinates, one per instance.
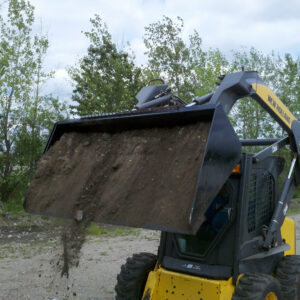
(140, 178)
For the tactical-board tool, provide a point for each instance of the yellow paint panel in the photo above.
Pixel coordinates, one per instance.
(163, 284)
(274, 103)
(150, 286)
(288, 233)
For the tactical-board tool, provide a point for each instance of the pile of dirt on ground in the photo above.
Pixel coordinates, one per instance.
(141, 178)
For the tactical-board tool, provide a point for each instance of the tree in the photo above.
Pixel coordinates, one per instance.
(188, 69)
(105, 79)
(288, 84)
(282, 75)
(168, 55)
(22, 108)
(249, 118)
(37, 122)
(206, 77)
(16, 64)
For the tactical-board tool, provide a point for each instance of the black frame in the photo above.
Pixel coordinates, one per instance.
(231, 251)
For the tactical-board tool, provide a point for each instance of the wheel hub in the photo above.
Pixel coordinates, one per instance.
(271, 296)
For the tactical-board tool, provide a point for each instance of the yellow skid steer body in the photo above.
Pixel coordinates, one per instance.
(163, 284)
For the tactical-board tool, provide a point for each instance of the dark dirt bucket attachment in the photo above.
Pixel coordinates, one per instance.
(153, 169)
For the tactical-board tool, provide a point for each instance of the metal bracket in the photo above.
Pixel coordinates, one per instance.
(271, 149)
(272, 251)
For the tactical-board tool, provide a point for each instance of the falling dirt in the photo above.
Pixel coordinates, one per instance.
(73, 239)
(141, 178)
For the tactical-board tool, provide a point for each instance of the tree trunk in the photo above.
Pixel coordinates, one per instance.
(4, 191)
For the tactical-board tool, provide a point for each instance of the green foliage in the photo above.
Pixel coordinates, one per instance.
(169, 56)
(288, 84)
(25, 116)
(188, 69)
(282, 75)
(106, 79)
(249, 118)
(37, 123)
(14, 206)
(206, 76)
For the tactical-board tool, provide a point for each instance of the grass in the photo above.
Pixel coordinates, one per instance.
(13, 206)
(125, 231)
(13, 250)
(293, 211)
(297, 193)
(95, 230)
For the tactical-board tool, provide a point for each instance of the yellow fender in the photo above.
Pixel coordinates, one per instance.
(288, 233)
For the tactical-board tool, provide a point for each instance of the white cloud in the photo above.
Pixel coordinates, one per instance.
(267, 25)
(59, 86)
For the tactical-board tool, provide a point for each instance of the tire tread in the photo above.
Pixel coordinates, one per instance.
(253, 286)
(288, 274)
(133, 276)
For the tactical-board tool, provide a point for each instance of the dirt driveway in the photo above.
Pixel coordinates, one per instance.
(28, 255)
(30, 250)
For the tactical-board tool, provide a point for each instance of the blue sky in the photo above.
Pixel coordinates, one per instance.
(267, 25)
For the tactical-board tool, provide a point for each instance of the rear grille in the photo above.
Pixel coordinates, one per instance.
(261, 200)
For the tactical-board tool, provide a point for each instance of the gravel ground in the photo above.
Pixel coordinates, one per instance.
(28, 257)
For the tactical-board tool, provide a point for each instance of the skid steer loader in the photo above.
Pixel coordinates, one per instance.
(180, 169)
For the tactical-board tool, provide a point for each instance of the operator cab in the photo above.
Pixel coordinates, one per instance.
(211, 252)
(217, 216)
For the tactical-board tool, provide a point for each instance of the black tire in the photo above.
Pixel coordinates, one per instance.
(256, 286)
(133, 276)
(288, 274)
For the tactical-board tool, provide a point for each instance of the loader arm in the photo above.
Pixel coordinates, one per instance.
(234, 86)
(248, 84)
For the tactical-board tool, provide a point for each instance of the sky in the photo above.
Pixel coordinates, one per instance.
(265, 24)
